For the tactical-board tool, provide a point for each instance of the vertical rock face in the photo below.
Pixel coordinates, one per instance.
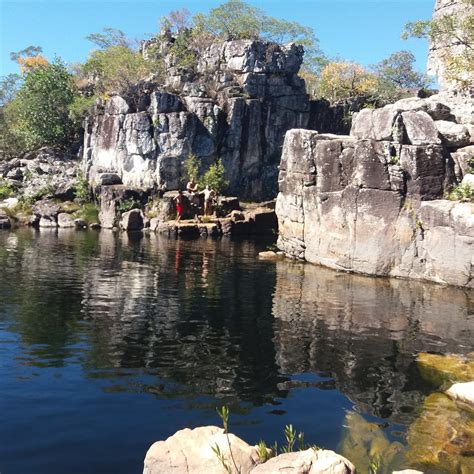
(241, 100)
(372, 203)
(444, 48)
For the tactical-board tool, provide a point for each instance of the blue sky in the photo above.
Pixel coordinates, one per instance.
(365, 31)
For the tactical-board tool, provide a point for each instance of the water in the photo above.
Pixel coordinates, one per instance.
(111, 342)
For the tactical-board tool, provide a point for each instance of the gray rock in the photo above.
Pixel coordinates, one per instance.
(454, 135)
(4, 220)
(116, 105)
(132, 220)
(463, 392)
(108, 179)
(47, 209)
(343, 205)
(462, 159)
(48, 221)
(65, 220)
(420, 128)
(80, 223)
(110, 199)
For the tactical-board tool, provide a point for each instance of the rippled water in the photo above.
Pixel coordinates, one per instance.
(110, 342)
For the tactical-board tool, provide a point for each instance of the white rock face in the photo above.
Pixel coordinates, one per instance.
(307, 462)
(372, 207)
(463, 392)
(454, 135)
(191, 451)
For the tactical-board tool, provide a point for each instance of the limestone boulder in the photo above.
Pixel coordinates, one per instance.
(132, 220)
(191, 451)
(116, 106)
(420, 128)
(65, 220)
(453, 135)
(463, 157)
(311, 461)
(47, 209)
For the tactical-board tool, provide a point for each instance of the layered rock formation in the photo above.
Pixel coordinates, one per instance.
(237, 105)
(372, 202)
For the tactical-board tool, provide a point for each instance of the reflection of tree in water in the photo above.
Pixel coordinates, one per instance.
(206, 314)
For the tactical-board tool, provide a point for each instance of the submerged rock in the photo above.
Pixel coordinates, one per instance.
(441, 370)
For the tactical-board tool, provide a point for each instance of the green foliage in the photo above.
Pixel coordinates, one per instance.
(220, 456)
(461, 192)
(28, 52)
(108, 38)
(290, 435)
(6, 189)
(80, 108)
(115, 69)
(128, 205)
(89, 212)
(8, 87)
(263, 452)
(44, 191)
(397, 72)
(82, 189)
(450, 29)
(215, 178)
(191, 167)
(39, 114)
(470, 165)
(223, 413)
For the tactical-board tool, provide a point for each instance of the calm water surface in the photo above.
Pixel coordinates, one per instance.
(111, 342)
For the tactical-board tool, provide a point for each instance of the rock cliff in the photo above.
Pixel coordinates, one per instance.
(372, 202)
(236, 105)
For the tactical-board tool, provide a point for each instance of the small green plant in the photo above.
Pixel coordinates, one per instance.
(191, 167)
(461, 192)
(6, 190)
(221, 458)
(89, 212)
(128, 205)
(394, 160)
(223, 413)
(375, 464)
(290, 435)
(470, 165)
(82, 190)
(264, 454)
(215, 178)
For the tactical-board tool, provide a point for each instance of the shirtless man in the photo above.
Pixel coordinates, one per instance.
(209, 195)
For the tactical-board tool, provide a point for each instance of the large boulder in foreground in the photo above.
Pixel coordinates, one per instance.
(194, 452)
(191, 451)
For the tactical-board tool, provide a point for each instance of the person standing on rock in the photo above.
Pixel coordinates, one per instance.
(209, 195)
(179, 199)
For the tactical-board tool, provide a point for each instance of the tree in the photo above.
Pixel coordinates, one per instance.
(457, 33)
(342, 80)
(108, 38)
(29, 58)
(115, 69)
(39, 114)
(214, 177)
(8, 87)
(397, 72)
(28, 52)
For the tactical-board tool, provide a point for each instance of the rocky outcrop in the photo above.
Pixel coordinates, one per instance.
(445, 47)
(463, 392)
(237, 106)
(372, 202)
(194, 451)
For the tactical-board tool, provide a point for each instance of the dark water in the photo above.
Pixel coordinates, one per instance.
(111, 342)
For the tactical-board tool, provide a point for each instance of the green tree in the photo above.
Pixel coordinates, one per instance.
(451, 30)
(215, 178)
(39, 114)
(397, 71)
(8, 87)
(115, 69)
(191, 167)
(108, 38)
(28, 52)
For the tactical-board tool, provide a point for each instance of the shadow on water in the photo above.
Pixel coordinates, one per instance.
(111, 341)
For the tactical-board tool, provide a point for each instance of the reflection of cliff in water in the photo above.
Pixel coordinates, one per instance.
(365, 332)
(211, 317)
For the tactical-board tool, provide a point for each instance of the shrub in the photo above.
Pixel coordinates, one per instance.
(215, 178)
(39, 114)
(461, 192)
(191, 167)
(89, 212)
(128, 205)
(82, 189)
(6, 190)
